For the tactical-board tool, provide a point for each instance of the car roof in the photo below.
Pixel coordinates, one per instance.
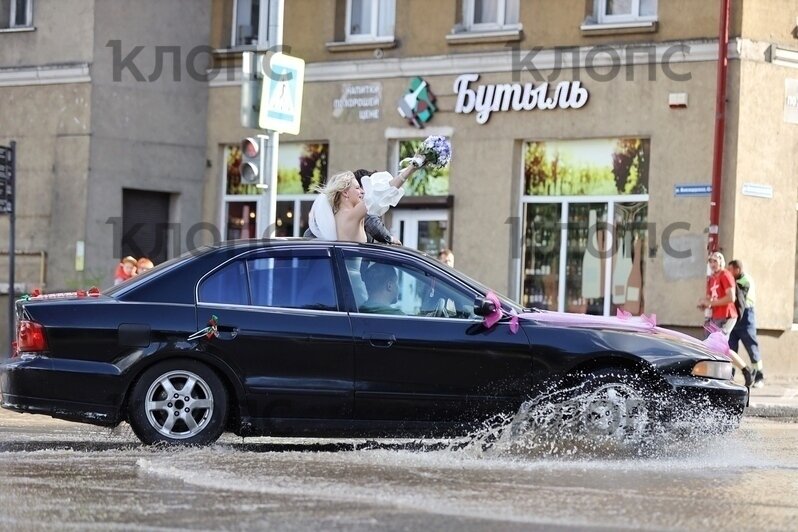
(310, 242)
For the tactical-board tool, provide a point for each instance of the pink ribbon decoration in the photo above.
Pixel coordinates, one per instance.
(493, 318)
(718, 343)
(623, 321)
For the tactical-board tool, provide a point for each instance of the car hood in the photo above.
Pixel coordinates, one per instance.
(655, 343)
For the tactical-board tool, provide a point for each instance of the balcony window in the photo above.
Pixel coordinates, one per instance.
(370, 20)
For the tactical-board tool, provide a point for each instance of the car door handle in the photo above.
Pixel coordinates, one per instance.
(227, 332)
(381, 340)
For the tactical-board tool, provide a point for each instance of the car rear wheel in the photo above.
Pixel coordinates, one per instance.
(178, 402)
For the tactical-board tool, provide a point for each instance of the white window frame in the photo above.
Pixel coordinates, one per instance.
(12, 15)
(374, 35)
(603, 18)
(501, 16)
(263, 26)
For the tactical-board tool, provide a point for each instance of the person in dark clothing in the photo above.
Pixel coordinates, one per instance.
(745, 328)
(375, 228)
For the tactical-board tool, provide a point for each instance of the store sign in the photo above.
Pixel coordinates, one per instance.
(791, 101)
(360, 100)
(692, 190)
(499, 97)
(419, 104)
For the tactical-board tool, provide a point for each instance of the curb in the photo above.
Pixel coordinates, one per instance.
(771, 410)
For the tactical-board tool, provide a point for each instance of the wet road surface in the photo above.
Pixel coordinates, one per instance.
(63, 476)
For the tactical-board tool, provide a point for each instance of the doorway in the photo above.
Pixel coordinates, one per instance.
(426, 230)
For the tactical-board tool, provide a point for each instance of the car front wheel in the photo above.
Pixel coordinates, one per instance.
(178, 402)
(615, 406)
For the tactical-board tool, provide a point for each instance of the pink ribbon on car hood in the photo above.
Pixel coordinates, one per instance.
(624, 321)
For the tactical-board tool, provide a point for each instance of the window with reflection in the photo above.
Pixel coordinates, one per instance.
(585, 235)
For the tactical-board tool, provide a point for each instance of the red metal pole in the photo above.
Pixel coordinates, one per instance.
(720, 126)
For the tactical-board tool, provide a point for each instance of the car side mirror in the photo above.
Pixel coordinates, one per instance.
(484, 307)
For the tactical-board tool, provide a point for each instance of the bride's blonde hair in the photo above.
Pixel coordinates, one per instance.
(335, 187)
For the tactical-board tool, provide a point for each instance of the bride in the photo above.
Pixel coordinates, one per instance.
(342, 205)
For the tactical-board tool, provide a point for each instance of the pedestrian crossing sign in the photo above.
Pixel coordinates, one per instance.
(281, 100)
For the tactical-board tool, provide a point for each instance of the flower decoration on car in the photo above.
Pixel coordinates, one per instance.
(211, 331)
(37, 294)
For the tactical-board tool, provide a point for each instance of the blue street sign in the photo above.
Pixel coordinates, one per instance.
(692, 190)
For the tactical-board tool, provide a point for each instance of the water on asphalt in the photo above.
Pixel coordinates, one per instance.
(58, 475)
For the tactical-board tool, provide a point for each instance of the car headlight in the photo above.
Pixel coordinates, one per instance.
(713, 369)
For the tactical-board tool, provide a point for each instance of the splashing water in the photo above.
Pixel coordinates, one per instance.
(613, 420)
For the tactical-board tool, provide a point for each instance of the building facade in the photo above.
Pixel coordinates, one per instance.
(582, 134)
(110, 145)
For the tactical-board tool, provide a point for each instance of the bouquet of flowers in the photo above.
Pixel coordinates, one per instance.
(435, 151)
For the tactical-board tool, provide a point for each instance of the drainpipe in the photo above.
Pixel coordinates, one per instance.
(720, 125)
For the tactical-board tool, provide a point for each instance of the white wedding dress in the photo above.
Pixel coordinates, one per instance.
(378, 194)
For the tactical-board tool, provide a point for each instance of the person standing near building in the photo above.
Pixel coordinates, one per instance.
(125, 270)
(719, 308)
(447, 257)
(745, 328)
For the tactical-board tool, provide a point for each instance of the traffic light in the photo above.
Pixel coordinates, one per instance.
(250, 160)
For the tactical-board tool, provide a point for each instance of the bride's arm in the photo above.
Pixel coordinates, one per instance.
(399, 180)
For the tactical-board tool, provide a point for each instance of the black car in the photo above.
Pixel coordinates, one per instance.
(305, 337)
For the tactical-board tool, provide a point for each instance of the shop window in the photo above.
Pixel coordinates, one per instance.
(487, 15)
(300, 168)
(427, 181)
(250, 23)
(620, 11)
(370, 20)
(16, 14)
(585, 214)
(542, 256)
(241, 220)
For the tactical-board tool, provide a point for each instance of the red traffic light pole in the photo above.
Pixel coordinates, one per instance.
(720, 127)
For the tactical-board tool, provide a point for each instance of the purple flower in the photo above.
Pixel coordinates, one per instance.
(436, 150)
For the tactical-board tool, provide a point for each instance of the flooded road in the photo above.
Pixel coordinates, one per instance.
(58, 475)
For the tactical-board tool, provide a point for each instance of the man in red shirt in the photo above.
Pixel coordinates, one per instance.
(718, 305)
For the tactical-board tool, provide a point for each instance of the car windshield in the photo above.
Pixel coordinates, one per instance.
(506, 301)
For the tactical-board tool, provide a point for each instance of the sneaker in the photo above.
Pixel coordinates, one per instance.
(759, 379)
(749, 377)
